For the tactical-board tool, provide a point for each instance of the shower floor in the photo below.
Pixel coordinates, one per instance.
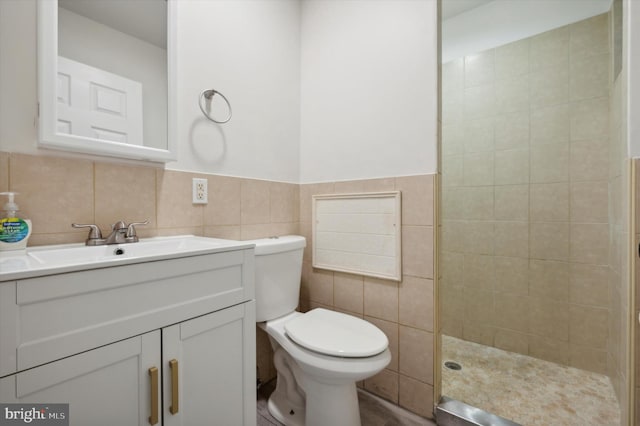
(526, 390)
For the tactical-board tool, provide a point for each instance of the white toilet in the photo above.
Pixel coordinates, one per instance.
(319, 355)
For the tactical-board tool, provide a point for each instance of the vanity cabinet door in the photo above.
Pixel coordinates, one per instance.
(106, 386)
(215, 359)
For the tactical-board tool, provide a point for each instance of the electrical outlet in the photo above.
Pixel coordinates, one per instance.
(199, 191)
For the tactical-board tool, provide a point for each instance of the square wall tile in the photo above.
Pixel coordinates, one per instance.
(550, 163)
(589, 326)
(478, 135)
(511, 130)
(549, 279)
(549, 349)
(588, 359)
(479, 101)
(549, 49)
(54, 192)
(479, 68)
(550, 125)
(587, 160)
(417, 199)
(549, 86)
(416, 303)
(226, 232)
(590, 243)
(550, 202)
(477, 202)
(452, 139)
(452, 105)
(454, 237)
(550, 319)
(140, 184)
(589, 119)
(511, 202)
(379, 185)
(479, 333)
(510, 312)
(255, 201)
(477, 237)
(512, 59)
(348, 186)
(478, 169)
(588, 285)
(511, 275)
(224, 201)
(284, 202)
(384, 384)
(549, 241)
(589, 37)
(416, 354)
(391, 330)
(381, 299)
(452, 171)
(512, 341)
(348, 292)
(589, 77)
(478, 272)
(319, 283)
(478, 306)
(511, 167)
(416, 396)
(417, 251)
(453, 75)
(512, 95)
(175, 208)
(511, 239)
(590, 201)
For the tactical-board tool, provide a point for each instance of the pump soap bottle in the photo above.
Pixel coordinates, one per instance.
(14, 231)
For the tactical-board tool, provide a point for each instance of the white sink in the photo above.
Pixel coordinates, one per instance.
(68, 257)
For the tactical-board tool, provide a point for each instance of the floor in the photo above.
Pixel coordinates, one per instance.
(374, 411)
(526, 390)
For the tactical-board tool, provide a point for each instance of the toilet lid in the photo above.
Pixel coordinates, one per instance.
(336, 334)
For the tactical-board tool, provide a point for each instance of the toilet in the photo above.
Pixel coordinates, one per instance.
(319, 355)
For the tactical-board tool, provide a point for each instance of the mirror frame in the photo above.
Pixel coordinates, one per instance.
(48, 137)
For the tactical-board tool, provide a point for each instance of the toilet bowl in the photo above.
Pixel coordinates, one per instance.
(319, 355)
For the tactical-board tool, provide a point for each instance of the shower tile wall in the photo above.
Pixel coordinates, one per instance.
(525, 253)
(405, 310)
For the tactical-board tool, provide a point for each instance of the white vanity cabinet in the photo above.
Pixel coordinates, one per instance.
(93, 338)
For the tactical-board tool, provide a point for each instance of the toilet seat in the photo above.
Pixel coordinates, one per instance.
(336, 334)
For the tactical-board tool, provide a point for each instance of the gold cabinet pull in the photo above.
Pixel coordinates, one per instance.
(153, 374)
(175, 399)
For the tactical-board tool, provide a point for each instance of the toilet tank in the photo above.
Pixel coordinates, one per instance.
(278, 268)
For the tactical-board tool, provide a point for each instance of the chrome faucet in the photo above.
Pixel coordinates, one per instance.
(121, 233)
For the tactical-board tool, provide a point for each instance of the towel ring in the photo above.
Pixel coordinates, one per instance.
(209, 94)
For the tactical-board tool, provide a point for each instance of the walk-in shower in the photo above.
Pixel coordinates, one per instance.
(534, 287)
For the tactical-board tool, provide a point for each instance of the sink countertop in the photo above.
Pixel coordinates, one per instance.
(58, 259)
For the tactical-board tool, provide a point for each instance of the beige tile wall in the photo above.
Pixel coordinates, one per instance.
(525, 249)
(55, 192)
(405, 310)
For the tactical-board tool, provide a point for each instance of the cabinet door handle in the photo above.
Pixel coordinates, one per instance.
(175, 398)
(153, 374)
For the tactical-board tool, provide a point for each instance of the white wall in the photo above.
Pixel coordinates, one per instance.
(100, 46)
(368, 89)
(368, 85)
(250, 51)
(503, 21)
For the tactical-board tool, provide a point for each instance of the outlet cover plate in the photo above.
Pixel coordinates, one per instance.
(199, 191)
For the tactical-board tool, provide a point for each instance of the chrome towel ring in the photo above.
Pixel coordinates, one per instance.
(208, 95)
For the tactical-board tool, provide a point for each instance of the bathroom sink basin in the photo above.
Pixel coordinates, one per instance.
(68, 257)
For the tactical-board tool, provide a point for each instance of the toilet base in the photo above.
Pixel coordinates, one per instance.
(280, 408)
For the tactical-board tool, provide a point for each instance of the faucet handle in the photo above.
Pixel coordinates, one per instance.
(131, 230)
(94, 232)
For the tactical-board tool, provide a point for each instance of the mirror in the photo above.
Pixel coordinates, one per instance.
(106, 77)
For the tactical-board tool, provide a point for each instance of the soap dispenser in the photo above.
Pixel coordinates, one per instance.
(14, 231)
